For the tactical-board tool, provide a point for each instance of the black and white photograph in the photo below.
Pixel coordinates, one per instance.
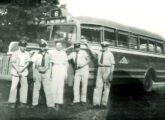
(82, 60)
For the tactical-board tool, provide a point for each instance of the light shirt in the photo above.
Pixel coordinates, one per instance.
(20, 59)
(108, 58)
(58, 57)
(37, 59)
(82, 58)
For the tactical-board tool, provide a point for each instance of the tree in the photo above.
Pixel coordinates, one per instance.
(19, 21)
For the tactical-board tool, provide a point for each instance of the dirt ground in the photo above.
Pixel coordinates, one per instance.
(66, 112)
(125, 103)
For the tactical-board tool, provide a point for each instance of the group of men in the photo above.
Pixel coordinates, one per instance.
(50, 70)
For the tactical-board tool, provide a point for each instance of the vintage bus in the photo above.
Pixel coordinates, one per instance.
(139, 54)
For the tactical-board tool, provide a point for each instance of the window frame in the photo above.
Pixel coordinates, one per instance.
(111, 30)
(152, 40)
(126, 33)
(147, 47)
(137, 40)
(93, 27)
(160, 42)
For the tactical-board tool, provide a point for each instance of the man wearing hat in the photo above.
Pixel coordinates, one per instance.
(42, 70)
(81, 60)
(104, 76)
(19, 71)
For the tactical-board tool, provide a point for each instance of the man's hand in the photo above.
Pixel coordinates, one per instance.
(19, 73)
(21, 70)
(71, 47)
(101, 65)
(42, 69)
(85, 43)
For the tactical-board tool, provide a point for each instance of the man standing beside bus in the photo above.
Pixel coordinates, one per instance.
(81, 60)
(42, 70)
(104, 76)
(20, 61)
(59, 72)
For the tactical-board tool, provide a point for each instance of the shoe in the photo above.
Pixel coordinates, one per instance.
(75, 103)
(83, 103)
(51, 109)
(57, 107)
(34, 106)
(22, 105)
(96, 107)
(12, 105)
(103, 107)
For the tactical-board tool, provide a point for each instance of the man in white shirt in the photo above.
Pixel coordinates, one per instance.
(42, 70)
(59, 70)
(19, 71)
(106, 64)
(81, 60)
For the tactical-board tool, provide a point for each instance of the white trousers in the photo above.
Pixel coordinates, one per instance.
(58, 77)
(81, 76)
(44, 79)
(102, 89)
(23, 89)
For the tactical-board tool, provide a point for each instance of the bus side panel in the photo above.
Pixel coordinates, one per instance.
(136, 66)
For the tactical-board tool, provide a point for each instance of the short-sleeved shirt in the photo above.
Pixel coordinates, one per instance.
(20, 59)
(58, 57)
(37, 59)
(108, 58)
(82, 58)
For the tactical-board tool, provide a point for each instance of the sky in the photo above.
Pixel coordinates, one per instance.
(144, 14)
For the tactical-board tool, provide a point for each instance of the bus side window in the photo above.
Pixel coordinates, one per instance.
(123, 40)
(133, 42)
(159, 48)
(109, 36)
(143, 44)
(151, 46)
(93, 34)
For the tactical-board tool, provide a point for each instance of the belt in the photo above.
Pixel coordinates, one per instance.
(77, 68)
(104, 66)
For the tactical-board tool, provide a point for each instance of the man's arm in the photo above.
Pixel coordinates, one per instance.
(71, 47)
(93, 53)
(26, 65)
(70, 56)
(27, 62)
(13, 62)
(87, 45)
(15, 66)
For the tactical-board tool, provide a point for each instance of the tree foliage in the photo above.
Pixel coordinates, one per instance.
(19, 20)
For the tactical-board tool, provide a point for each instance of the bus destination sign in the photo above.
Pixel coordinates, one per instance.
(56, 20)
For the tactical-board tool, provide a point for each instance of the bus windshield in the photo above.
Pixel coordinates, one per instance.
(38, 32)
(64, 33)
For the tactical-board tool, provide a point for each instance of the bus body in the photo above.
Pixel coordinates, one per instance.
(138, 54)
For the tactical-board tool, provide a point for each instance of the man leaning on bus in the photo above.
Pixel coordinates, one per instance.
(19, 71)
(81, 60)
(104, 76)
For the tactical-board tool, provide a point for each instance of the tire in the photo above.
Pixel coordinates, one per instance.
(148, 82)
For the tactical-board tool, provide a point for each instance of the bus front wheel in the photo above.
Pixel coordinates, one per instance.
(148, 82)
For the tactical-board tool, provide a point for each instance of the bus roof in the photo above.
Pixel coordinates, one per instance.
(107, 23)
